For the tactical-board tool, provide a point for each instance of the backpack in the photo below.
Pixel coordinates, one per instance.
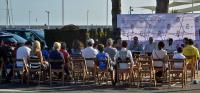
(102, 60)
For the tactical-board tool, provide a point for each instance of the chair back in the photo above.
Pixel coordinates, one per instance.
(123, 64)
(19, 63)
(34, 63)
(145, 63)
(158, 63)
(78, 63)
(56, 63)
(177, 64)
(90, 62)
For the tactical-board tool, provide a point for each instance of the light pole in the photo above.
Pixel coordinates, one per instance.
(29, 19)
(63, 13)
(130, 9)
(107, 5)
(48, 13)
(87, 20)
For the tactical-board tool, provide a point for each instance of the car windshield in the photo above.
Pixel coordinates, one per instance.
(40, 33)
(19, 39)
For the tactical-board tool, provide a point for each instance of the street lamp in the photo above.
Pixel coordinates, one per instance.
(48, 13)
(130, 9)
(63, 13)
(87, 20)
(29, 18)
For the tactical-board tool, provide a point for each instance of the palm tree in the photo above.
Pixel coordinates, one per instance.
(162, 6)
(116, 9)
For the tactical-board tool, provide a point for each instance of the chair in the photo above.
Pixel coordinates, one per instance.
(160, 65)
(191, 65)
(146, 70)
(79, 69)
(103, 74)
(56, 66)
(177, 71)
(35, 70)
(18, 70)
(91, 67)
(124, 70)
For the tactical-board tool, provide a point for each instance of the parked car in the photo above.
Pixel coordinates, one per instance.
(29, 34)
(11, 39)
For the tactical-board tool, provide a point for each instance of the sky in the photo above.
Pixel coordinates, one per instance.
(75, 11)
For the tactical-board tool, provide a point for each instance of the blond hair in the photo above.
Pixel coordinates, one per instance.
(36, 46)
(56, 46)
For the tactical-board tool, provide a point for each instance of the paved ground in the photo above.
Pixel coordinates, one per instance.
(17, 88)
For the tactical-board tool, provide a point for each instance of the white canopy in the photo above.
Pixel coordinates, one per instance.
(190, 9)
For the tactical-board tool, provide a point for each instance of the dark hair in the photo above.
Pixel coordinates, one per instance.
(101, 47)
(179, 50)
(77, 45)
(161, 45)
(63, 45)
(124, 44)
(28, 43)
(170, 39)
(90, 44)
(190, 42)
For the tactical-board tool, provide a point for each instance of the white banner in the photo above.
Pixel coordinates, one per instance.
(159, 26)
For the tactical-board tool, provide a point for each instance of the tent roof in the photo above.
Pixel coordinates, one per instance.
(152, 8)
(190, 9)
(173, 4)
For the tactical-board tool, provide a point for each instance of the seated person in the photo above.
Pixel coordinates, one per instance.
(55, 54)
(102, 58)
(123, 55)
(160, 53)
(77, 46)
(37, 53)
(179, 55)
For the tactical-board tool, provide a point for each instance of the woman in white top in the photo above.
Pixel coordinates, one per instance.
(160, 53)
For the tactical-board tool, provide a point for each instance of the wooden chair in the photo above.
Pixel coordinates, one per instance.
(103, 74)
(177, 71)
(160, 65)
(191, 65)
(19, 71)
(35, 70)
(79, 69)
(146, 70)
(56, 66)
(91, 68)
(124, 74)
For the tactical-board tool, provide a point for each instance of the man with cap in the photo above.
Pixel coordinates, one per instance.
(89, 52)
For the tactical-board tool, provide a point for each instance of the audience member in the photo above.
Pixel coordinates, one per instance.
(179, 55)
(150, 46)
(170, 48)
(102, 58)
(89, 52)
(110, 50)
(77, 46)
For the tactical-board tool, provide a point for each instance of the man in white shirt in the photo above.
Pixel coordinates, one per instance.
(89, 52)
(150, 46)
(23, 52)
(179, 55)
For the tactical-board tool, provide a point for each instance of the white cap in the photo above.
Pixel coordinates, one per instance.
(90, 41)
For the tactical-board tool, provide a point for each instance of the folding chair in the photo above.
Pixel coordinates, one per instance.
(191, 65)
(160, 66)
(103, 74)
(124, 71)
(79, 69)
(56, 66)
(91, 68)
(18, 72)
(146, 70)
(35, 70)
(177, 71)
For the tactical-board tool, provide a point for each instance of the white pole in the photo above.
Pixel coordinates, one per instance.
(48, 13)
(87, 20)
(29, 19)
(192, 6)
(63, 13)
(107, 5)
